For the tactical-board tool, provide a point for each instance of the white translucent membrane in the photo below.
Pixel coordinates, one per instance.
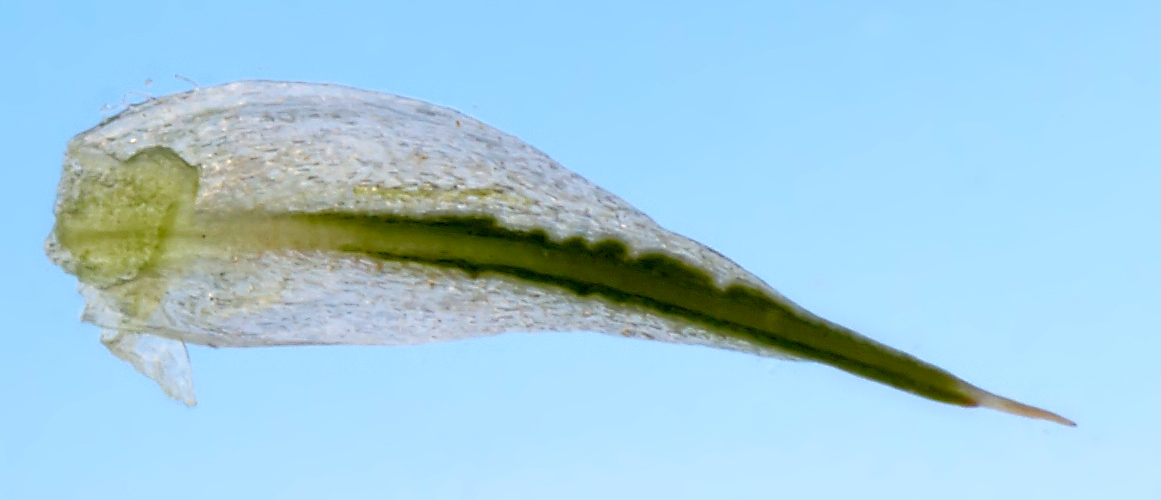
(293, 147)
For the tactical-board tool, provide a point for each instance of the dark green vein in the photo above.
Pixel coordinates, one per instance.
(657, 283)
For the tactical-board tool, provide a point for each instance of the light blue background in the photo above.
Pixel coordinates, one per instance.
(974, 182)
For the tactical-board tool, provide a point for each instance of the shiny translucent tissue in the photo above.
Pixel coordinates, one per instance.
(271, 213)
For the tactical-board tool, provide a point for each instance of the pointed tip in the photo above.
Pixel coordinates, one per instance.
(989, 400)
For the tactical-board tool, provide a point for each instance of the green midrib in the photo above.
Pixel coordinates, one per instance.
(663, 285)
